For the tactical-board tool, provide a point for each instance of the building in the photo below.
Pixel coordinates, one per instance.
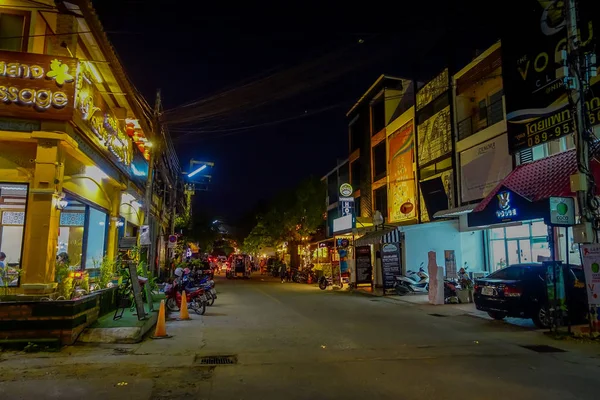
(75, 146)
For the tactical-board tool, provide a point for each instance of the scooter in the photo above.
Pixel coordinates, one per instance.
(328, 281)
(196, 298)
(412, 283)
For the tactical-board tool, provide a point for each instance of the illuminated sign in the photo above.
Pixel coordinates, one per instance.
(346, 190)
(95, 117)
(562, 211)
(505, 209)
(37, 85)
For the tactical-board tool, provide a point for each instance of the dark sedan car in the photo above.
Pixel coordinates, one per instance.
(520, 291)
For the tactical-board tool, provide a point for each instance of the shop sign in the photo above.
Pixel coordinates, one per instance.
(562, 211)
(95, 116)
(433, 89)
(537, 102)
(346, 205)
(363, 264)
(37, 85)
(591, 268)
(346, 190)
(390, 265)
(483, 167)
(505, 207)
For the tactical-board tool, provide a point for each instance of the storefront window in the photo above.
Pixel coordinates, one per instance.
(82, 234)
(524, 243)
(96, 237)
(13, 200)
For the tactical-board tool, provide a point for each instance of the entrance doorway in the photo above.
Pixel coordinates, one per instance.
(525, 243)
(519, 251)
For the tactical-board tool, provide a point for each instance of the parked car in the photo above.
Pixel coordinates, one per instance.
(520, 291)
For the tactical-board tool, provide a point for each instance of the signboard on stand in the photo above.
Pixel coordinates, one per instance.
(390, 265)
(363, 265)
(562, 211)
(450, 260)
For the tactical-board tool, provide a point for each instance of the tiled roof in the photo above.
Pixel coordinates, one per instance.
(543, 178)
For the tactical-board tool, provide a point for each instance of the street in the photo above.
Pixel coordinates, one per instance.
(294, 341)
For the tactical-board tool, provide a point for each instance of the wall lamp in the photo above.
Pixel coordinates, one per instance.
(60, 203)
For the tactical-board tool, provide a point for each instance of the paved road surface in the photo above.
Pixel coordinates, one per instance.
(293, 341)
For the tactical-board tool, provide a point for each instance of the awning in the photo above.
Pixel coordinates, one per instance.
(541, 179)
(386, 235)
(455, 212)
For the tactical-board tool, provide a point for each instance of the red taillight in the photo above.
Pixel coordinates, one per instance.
(512, 291)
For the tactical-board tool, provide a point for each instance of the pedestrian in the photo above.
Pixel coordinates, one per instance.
(2, 267)
(262, 266)
(283, 272)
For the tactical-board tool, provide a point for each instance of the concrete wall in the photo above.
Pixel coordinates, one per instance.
(439, 236)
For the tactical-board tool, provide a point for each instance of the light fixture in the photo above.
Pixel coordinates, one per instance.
(120, 224)
(94, 71)
(60, 203)
(196, 171)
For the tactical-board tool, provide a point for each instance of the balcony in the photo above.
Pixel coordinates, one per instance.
(484, 117)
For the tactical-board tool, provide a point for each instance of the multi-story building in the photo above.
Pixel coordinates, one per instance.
(75, 141)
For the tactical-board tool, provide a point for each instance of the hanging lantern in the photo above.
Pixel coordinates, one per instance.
(130, 129)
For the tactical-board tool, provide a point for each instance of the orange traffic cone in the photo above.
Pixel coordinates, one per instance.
(161, 325)
(183, 311)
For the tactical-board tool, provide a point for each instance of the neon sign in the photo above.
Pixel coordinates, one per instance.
(505, 209)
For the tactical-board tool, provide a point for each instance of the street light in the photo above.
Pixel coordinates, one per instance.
(196, 171)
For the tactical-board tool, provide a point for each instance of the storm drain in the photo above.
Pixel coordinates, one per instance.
(543, 348)
(216, 360)
(438, 315)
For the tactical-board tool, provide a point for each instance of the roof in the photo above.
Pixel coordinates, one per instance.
(374, 88)
(542, 179)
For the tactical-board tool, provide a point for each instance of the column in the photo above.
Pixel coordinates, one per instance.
(112, 241)
(42, 219)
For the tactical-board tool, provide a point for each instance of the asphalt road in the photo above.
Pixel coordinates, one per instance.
(292, 341)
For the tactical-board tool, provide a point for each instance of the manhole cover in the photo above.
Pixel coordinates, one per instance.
(543, 348)
(216, 360)
(437, 315)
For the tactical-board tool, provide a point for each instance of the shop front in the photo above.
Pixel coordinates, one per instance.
(65, 161)
(378, 259)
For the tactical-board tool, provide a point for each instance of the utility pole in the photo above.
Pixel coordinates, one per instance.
(577, 86)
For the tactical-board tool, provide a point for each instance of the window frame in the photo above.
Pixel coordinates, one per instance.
(26, 25)
(24, 225)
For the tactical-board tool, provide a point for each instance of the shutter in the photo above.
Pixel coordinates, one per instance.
(525, 156)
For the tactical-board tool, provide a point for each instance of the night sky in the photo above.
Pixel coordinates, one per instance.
(291, 125)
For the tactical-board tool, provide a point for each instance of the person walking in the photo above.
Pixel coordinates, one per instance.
(283, 272)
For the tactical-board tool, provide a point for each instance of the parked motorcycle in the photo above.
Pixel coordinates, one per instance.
(196, 298)
(412, 283)
(451, 288)
(325, 281)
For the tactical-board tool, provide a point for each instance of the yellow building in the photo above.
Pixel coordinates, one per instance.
(74, 148)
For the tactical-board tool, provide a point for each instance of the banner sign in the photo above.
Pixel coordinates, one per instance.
(433, 89)
(435, 137)
(591, 267)
(537, 104)
(450, 260)
(401, 189)
(483, 167)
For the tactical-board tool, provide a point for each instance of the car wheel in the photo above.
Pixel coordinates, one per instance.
(497, 315)
(541, 317)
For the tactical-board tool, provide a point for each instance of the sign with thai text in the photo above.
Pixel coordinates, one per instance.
(37, 85)
(390, 265)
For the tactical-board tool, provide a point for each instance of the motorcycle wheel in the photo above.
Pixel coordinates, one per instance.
(401, 290)
(322, 284)
(211, 299)
(172, 304)
(199, 307)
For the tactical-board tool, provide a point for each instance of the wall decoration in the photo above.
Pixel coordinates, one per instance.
(435, 137)
(401, 188)
(13, 218)
(72, 219)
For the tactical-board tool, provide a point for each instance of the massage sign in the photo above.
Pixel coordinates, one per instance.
(37, 86)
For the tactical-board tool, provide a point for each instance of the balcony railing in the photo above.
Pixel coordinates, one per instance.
(486, 116)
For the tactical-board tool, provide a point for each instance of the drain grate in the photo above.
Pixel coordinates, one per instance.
(543, 348)
(438, 315)
(216, 360)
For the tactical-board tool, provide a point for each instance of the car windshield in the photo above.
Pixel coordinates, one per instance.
(511, 273)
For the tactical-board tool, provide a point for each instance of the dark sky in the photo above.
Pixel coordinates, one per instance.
(263, 143)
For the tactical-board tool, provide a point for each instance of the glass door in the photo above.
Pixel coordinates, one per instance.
(513, 251)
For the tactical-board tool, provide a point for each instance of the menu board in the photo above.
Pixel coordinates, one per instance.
(390, 264)
(363, 264)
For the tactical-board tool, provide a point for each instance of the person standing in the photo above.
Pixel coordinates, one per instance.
(283, 272)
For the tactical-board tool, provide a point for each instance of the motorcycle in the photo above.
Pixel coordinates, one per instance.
(450, 291)
(196, 298)
(327, 281)
(412, 282)
(191, 282)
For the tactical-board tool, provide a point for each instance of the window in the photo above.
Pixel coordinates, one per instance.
(357, 212)
(379, 161)
(380, 202)
(510, 274)
(13, 30)
(356, 133)
(332, 188)
(482, 110)
(96, 236)
(378, 116)
(13, 202)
